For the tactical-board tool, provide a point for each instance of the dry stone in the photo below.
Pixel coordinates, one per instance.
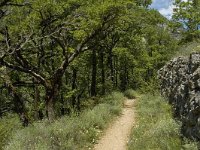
(180, 84)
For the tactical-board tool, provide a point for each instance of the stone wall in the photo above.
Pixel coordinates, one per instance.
(180, 84)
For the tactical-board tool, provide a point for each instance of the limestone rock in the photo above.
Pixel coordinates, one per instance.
(180, 84)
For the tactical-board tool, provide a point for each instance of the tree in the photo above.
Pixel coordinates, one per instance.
(54, 34)
(57, 54)
(187, 15)
(144, 3)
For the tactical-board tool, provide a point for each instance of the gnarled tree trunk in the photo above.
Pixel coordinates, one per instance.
(94, 73)
(50, 98)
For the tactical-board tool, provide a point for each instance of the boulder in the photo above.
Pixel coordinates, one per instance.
(180, 84)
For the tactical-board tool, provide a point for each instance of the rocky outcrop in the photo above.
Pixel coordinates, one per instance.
(180, 84)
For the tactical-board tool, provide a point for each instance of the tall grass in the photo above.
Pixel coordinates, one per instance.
(188, 48)
(69, 133)
(8, 124)
(156, 129)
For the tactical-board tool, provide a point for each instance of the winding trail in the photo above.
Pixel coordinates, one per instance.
(117, 135)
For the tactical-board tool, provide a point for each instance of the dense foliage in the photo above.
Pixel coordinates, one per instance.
(186, 19)
(55, 54)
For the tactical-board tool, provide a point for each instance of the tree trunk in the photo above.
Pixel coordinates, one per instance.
(116, 72)
(123, 80)
(51, 95)
(102, 72)
(94, 73)
(110, 64)
(74, 75)
(19, 105)
(127, 75)
(50, 108)
(20, 109)
(38, 111)
(62, 109)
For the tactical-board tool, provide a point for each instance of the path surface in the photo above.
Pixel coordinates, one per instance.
(117, 135)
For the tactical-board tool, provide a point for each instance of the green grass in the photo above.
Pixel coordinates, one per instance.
(187, 49)
(156, 129)
(8, 124)
(69, 133)
(130, 94)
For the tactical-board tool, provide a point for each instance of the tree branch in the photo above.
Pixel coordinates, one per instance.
(4, 2)
(80, 48)
(25, 70)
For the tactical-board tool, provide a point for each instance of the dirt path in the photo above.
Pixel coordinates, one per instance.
(116, 136)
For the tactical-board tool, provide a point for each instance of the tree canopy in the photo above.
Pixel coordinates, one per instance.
(56, 54)
(187, 16)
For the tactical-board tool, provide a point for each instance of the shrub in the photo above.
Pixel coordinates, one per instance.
(115, 98)
(130, 94)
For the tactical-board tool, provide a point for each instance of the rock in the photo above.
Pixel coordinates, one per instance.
(180, 84)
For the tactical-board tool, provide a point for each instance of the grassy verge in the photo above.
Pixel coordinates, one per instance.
(69, 133)
(156, 129)
(8, 124)
(187, 49)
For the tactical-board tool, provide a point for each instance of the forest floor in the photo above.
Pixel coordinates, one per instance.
(117, 135)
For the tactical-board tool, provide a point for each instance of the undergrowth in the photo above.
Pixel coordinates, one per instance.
(8, 124)
(188, 48)
(155, 128)
(69, 133)
(130, 94)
